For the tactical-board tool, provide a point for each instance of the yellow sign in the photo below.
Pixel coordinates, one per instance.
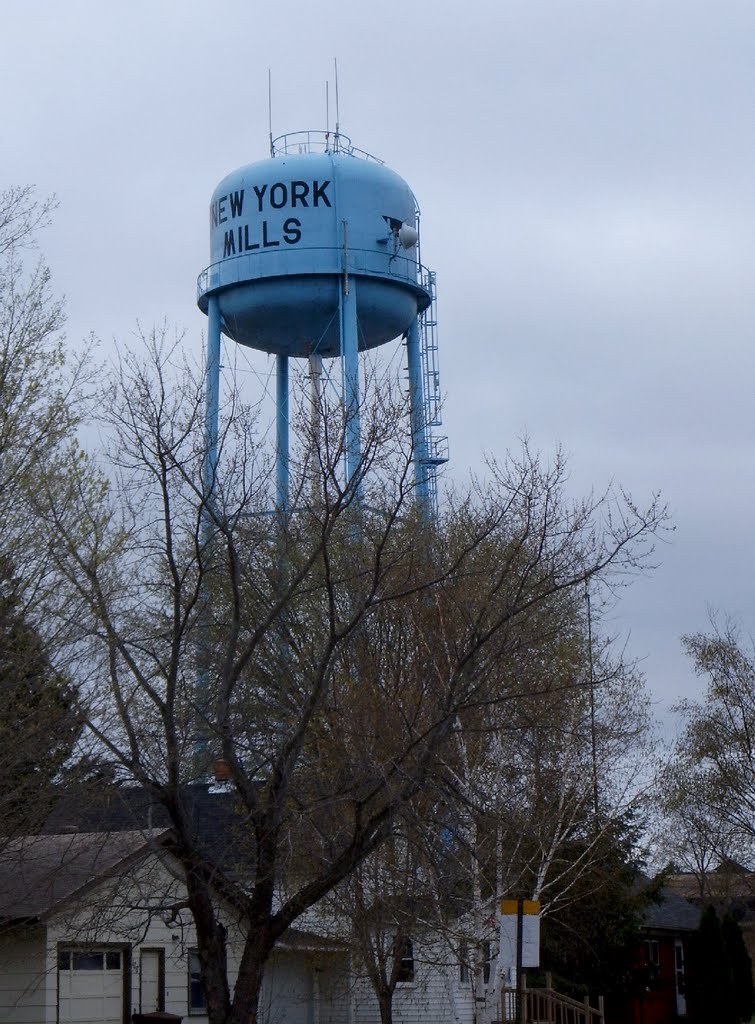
(531, 907)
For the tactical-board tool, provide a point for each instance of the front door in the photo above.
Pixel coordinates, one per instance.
(151, 980)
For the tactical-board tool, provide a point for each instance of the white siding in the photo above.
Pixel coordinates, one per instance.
(23, 980)
(287, 991)
(132, 912)
(333, 991)
(435, 997)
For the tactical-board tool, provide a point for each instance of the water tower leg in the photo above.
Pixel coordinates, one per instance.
(209, 468)
(281, 425)
(350, 370)
(210, 463)
(417, 414)
(315, 424)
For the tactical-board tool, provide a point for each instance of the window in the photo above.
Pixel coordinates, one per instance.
(486, 962)
(197, 1001)
(679, 967)
(652, 962)
(652, 953)
(463, 962)
(681, 987)
(89, 960)
(405, 953)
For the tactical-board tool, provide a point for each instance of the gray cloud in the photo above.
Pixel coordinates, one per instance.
(585, 172)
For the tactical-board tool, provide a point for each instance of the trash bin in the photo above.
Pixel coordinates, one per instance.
(155, 1017)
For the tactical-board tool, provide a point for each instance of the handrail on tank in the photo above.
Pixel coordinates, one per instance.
(425, 277)
(318, 141)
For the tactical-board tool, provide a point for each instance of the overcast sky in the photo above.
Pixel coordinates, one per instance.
(586, 172)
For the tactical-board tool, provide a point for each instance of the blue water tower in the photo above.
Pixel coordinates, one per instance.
(315, 255)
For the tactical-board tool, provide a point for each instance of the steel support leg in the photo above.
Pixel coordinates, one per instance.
(281, 429)
(350, 369)
(210, 463)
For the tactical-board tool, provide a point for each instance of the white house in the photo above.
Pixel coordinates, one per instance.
(93, 928)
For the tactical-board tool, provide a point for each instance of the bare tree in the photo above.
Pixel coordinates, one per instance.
(327, 657)
(519, 786)
(508, 812)
(383, 914)
(42, 391)
(708, 790)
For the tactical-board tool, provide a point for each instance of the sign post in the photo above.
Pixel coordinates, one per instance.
(519, 958)
(520, 942)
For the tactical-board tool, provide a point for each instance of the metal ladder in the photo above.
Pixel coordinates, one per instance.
(437, 445)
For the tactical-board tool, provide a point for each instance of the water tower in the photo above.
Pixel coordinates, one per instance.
(315, 255)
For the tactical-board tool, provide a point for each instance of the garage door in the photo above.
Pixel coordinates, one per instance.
(287, 993)
(90, 986)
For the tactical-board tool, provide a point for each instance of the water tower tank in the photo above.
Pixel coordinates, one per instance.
(285, 231)
(315, 253)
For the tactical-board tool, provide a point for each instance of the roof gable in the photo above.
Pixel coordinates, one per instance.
(39, 873)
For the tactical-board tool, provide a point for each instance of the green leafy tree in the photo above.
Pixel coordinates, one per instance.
(721, 986)
(43, 390)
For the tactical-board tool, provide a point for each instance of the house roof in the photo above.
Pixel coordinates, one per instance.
(118, 808)
(38, 873)
(672, 914)
(729, 866)
(305, 939)
(215, 818)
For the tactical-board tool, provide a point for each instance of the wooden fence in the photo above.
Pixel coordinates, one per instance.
(546, 1006)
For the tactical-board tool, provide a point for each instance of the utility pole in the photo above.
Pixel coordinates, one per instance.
(591, 671)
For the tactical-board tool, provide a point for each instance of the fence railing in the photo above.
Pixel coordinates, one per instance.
(546, 1006)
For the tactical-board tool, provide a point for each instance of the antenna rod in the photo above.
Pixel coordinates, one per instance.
(335, 65)
(270, 108)
(327, 107)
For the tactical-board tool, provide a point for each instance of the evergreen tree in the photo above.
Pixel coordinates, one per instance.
(590, 943)
(740, 967)
(39, 716)
(710, 988)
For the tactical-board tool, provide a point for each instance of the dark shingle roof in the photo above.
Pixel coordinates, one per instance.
(217, 821)
(38, 873)
(673, 913)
